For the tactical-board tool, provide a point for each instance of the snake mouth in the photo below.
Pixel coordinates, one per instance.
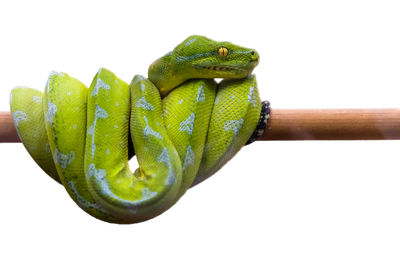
(255, 62)
(223, 69)
(220, 68)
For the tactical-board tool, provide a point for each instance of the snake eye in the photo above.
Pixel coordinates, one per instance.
(223, 51)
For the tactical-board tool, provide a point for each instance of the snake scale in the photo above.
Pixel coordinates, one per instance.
(184, 127)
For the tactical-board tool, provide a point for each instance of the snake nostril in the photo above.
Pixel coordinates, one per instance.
(253, 53)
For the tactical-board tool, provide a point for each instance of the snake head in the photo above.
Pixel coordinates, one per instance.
(200, 57)
(206, 58)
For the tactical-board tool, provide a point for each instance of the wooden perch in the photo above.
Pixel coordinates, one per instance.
(333, 124)
(300, 124)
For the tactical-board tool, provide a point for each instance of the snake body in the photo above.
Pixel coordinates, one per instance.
(184, 127)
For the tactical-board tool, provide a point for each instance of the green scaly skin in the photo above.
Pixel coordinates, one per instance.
(184, 127)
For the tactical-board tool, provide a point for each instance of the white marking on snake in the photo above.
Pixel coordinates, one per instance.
(63, 159)
(10, 100)
(116, 104)
(100, 176)
(189, 158)
(137, 78)
(233, 125)
(164, 157)
(99, 113)
(99, 84)
(52, 73)
(200, 55)
(252, 97)
(74, 126)
(115, 126)
(93, 148)
(108, 151)
(148, 131)
(68, 93)
(147, 194)
(51, 110)
(187, 125)
(241, 52)
(56, 73)
(19, 116)
(48, 85)
(200, 94)
(190, 41)
(37, 99)
(180, 101)
(82, 200)
(142, 103)
(142, 86)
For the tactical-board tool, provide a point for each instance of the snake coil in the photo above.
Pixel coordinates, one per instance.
(183, 125)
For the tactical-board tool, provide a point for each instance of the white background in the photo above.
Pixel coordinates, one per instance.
(275, 203)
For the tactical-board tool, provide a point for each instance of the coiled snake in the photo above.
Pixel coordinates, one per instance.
(183, 126)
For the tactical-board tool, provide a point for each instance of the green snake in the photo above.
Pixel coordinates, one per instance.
(184, 126)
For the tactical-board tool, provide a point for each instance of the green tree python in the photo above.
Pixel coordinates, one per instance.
(184, 126)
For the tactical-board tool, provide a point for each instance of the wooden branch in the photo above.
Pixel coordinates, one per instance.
(333, 124)
(8, 133)
(300, 124)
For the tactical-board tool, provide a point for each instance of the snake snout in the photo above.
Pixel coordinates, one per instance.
(255, 58)
(255, 62)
